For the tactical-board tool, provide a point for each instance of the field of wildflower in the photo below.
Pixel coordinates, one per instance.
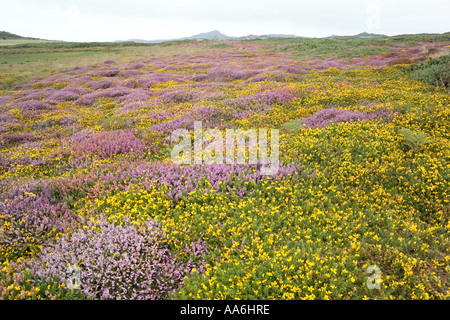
(88, 186)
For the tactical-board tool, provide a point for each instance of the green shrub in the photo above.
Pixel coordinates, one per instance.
(433, 71)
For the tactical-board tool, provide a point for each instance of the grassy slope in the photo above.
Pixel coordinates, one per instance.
(22, 61)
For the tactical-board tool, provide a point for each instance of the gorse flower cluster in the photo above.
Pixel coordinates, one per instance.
(87, 182)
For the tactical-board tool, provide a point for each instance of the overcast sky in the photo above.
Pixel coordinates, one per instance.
(109, 20)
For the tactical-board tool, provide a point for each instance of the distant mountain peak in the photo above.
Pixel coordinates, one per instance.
(215, 34)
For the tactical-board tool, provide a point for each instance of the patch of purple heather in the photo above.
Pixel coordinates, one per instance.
(107, 144)
(33, 105)
(177, 95)
(67, 121)
(105, 72)
(131, 106)
(146, 83)
(6, 117)
(34, 94)
(260, 78)
(135, 66)
(181, 180)
(16, 137)
(119, 261)
(279, 96)
(325, 116)
(210, 116)
(129, 73)
(4, 100)
(102, 84)
(23, 161)
(67, 94)
(139, 94)
(90, 98)
(81, 81)
(32, 219)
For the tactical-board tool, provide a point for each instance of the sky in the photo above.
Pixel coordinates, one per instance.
(110, 20)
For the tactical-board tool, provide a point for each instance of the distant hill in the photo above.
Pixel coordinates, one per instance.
(11, 36)
(214, 35)
(278, 36)
(217, 35)
(363, 35)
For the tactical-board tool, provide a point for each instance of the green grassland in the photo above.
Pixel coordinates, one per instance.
(26, 58)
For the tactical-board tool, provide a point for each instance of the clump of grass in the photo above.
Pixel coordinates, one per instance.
(116, 123)
(220, 45)
(293, 125)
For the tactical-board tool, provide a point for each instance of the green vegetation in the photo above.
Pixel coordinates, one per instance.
(293, 125)
(340, 48)
(23, 61)
(11, 36)
(434, 71)
(414, 141)
(348, 47)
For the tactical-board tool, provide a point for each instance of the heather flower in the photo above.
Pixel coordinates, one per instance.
(29, 221)
(325, 116)
(66, 121)
(260, 78)
(181, 180)
(211, 117)
(129, 73)
(139, 94)
(279, 96)
(107, 144)
(6, 118)
(29, 105)
(67, 94)
(80, 136)
(119, 261)
(12, 138)
(169, 96)
(102, 84)
(4, 100)
(131, 106)
(135, 66)
(81, 80)
(90, 98)
(106, 73)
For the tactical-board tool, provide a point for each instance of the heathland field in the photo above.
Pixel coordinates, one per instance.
(92, 205)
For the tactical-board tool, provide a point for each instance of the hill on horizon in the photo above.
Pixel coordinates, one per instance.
(217, 35)
(362, 35)
(4, 35)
